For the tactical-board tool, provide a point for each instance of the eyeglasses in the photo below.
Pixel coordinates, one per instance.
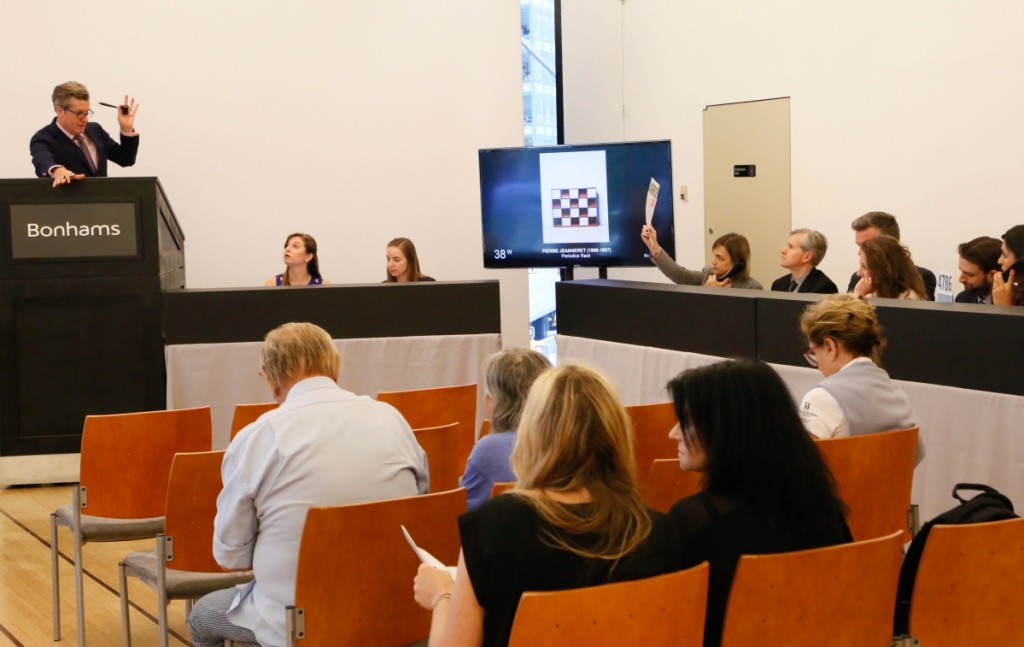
(80, 114)
(811, 358)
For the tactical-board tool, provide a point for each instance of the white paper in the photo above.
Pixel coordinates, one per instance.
(652, 199)
(426, 557)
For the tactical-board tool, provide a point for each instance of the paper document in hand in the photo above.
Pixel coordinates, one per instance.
(426, 557)
(652, 199)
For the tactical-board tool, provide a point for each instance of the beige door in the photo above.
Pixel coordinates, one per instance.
(737, 135)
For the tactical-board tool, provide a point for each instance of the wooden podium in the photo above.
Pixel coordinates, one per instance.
(82, 268)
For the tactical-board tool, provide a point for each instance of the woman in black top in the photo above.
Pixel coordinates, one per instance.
(766, 487)
(574, 518)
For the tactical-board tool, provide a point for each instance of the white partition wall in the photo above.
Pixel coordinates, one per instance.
(355, 122)
(911, 108)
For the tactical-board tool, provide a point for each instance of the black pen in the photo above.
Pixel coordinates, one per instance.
(123, 109)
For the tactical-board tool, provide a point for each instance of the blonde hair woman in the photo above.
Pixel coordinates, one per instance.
(845, 343)
(574, 518)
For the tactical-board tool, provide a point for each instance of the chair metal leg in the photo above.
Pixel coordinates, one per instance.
(122, 583)
(55, 577)
(79, 568)
(162, 542)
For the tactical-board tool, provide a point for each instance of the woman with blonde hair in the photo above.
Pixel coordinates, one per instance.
(886, 270)
(845, 343)
(574, 518)
(508, 376)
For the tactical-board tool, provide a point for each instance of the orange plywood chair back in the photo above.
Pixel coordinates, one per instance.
(667, 484)
(126, 458)
(441, 445)
(838, 595)
(651, 424)
(354, 581)
(662, 610)
(192, 493)
(874, 474)
(969, 585)
(501, 488)
(246, 414)
(439, 406)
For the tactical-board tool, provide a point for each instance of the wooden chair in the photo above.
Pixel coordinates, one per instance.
(441, 445)
(651, 424)
(874, 474)
(182, 566)
(970, 585)
(668, 483)
(501, 488)
(354, 580)
(838, 595)
(122, 490)
(663, 610)
(246, 414)
(485, 428)
(439, 406)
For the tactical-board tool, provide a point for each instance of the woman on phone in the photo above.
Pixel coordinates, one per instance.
(573, 519)
(730, 263)
(1008, 285)
(886, 270)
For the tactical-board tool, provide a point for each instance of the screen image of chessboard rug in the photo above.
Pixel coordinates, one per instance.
(574, 201)
(574, 207)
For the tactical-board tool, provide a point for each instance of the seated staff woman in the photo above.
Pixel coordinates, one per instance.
(886, 270)
(845, 343)
(766, 488)
(574, 518)
(403, 263)
(508, 376)
(301, 265)
(730, 263)
(1008, 286)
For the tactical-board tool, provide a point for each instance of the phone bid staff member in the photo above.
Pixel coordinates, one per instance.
(73, 148)
(730, 263)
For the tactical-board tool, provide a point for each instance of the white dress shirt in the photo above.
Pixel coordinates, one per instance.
(322, 446)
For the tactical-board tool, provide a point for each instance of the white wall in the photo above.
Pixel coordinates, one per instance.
(911, 108)
(355, 122)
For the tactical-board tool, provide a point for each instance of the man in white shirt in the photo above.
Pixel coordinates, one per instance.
(322, 446)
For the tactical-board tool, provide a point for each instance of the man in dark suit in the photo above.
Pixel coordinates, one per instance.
(880, 223)
(72, 147)
(801, 255)
(979, 263)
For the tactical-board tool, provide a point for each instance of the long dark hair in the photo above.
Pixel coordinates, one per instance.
(313, 266)
(757, 452)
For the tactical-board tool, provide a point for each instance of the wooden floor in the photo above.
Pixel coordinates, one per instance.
(26, 616)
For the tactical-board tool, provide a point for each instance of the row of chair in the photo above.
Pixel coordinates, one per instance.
(190, 432)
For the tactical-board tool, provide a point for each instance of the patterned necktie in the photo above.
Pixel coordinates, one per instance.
(80, 141)
(793, 285)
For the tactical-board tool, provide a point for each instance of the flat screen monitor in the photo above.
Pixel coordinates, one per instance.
(581, 205)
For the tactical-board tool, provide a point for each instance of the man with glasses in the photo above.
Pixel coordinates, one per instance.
(72, 147)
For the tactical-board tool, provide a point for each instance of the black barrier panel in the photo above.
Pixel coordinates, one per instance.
(961, 345)
(675, 317)
(344, 311)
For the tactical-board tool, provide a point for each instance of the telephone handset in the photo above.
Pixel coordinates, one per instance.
(736, 269)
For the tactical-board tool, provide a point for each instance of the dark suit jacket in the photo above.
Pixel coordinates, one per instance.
(816, 281)
(51, 147)
(970, 295)
(926, 275)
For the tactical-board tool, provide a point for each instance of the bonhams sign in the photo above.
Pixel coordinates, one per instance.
(73, 230)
